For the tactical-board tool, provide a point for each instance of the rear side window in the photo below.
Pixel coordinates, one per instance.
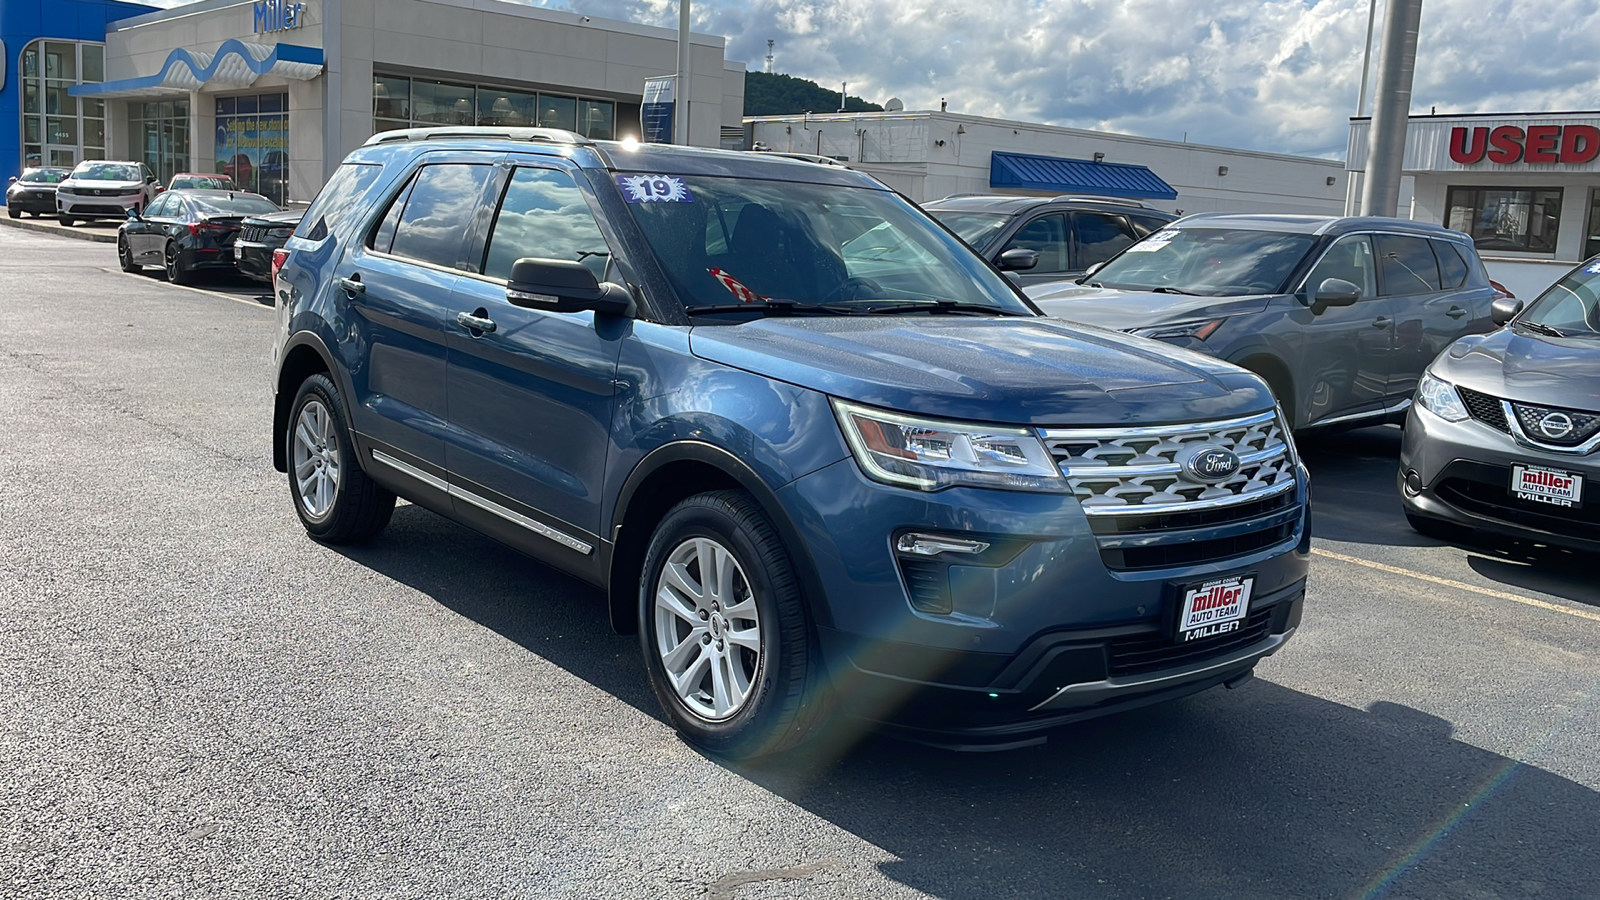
(1452, 267)
(347, 186)
(433, 225)
(1407, 264)
(544, 215)
(1101, 237)
(1048, 235)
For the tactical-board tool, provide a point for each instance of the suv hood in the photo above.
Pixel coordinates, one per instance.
(1527, 367)
(102, 185)
(1123, 310)
(1012, 370)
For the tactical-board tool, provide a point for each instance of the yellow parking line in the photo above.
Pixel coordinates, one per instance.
(1460, 585)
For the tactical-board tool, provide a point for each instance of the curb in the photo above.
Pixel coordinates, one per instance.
(99, 237)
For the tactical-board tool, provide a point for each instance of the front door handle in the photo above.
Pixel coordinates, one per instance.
(482, 323)
(353, 285)
(1381, 322)
(1456, 312)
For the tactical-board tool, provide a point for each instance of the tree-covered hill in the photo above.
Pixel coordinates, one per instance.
(784, 95)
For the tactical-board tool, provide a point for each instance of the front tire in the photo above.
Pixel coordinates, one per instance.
(125, 255)
(336, 501)
(724, 629)
(13, 212)
(66, 221)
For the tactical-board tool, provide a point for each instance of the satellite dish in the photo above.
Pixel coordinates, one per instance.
(894, 105)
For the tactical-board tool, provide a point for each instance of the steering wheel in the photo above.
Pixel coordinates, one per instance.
(852, 288)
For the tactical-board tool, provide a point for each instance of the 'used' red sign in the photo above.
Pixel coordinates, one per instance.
(1572, 144)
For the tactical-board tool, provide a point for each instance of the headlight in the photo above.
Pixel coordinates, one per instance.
(930, 455)
(1440, 398)
(1197, 330)
(63, 190)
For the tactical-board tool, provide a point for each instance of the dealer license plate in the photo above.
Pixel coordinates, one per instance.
(1214, 607)
(238, 252)
(1550, 486)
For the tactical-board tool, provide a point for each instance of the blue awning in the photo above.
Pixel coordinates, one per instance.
(236, 64)
(1072, 176)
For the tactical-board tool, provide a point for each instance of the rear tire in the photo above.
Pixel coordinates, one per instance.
(720, 606)
(1449, 532)
(336, 501)
(177, 272)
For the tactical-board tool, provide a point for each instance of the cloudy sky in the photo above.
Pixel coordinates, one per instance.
(1277, 75)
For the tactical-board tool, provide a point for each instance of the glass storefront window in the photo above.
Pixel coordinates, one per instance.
(558, 112)
(1591, 239)
(58, 128)
(252, 143)
(1506, 218)
(401, 102)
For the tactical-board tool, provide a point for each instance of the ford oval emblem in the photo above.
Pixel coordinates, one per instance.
(1212, 465)
(1556, 425)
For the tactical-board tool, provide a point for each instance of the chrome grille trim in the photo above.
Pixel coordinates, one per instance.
(1135, 471)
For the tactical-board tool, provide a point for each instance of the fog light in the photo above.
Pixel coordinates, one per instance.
(1413, 482)
(933, 544)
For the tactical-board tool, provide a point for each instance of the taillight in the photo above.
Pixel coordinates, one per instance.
(196, 227)
(279, 257)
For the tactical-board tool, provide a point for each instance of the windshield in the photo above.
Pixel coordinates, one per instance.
(1570, 306)
(207, 182)
(44, 176)
(976, 228)
(237, 205)
(1211, 262)
(735, 241)
(106, 172)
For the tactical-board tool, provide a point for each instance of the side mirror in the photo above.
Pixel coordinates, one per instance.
(1335, 292)
(13, 180)
(1018, 260)
(560, 285)
(1504, 310)
(133, 215)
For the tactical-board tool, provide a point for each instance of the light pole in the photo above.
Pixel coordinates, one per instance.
(680, 92)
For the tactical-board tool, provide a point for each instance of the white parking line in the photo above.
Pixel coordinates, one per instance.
(247, 301)
(1460, 585)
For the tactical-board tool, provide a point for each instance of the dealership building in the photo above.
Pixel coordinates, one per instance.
(276, 92)
(1525, 186)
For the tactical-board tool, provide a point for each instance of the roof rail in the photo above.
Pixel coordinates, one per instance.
(1095, 198)
(480, 132)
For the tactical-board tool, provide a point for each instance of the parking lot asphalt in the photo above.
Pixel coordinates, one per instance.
(201, 702)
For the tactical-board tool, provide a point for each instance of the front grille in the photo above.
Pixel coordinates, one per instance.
(1147, 513)
(1534, 419)
(252, 233)
(1484, 408)
(1143, 653)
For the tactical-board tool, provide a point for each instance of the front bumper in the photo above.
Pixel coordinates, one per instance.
(1044, 632)
(36, 202)
(1460, 472)
(80, 206)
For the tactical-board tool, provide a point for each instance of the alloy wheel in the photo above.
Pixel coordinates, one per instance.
(707, 629)
(316, 459)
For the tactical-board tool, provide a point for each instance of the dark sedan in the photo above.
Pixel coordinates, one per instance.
(34, 192)
(258, 237)
(185, 231)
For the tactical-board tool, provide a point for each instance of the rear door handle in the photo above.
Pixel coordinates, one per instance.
(1381, 322)
(353, 284)
(1456, 312)
(475, 323)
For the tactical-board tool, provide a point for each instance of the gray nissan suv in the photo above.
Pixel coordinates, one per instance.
(1339, 315)
(1505, 437)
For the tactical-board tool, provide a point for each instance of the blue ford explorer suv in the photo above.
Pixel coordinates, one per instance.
(822, 488)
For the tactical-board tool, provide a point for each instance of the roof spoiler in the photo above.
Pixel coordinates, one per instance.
(539, 135)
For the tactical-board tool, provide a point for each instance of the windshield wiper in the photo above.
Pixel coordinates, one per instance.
(937, 305)
(1163, 289)
(777, 308)
(1541, 328)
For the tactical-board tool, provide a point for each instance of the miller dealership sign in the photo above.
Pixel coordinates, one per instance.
(278, 15)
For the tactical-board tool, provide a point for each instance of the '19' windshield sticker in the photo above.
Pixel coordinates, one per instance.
(654, 189)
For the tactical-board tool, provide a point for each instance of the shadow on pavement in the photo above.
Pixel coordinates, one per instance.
(1549, 570)
(1353, 493)
(1261, 792)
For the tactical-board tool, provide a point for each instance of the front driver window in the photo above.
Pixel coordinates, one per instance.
(1048, 235)
(1350, 258)
(544, 215)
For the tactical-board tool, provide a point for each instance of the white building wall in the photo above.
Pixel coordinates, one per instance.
(928, 155)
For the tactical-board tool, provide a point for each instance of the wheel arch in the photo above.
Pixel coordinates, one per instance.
(1278, 375)
(304, 355)
(665, 476)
